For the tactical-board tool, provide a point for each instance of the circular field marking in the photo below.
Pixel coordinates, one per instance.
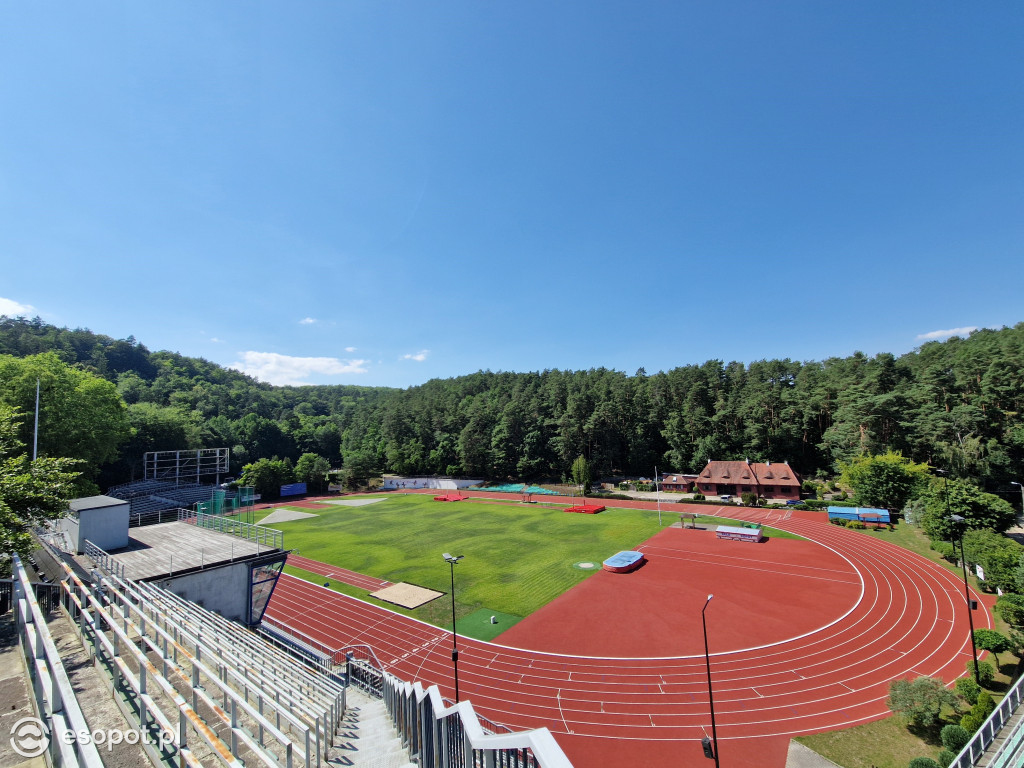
(584, 566)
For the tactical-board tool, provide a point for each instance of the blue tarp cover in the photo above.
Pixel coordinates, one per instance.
(864, 514)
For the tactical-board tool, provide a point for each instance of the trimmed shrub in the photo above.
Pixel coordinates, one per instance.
(968, 690)
(971, 722)
(946, 757)
(986, 673)
(954, 738)
(749, 499)
(857, 525)
(923, 762)
(698, 497)
(984, 706)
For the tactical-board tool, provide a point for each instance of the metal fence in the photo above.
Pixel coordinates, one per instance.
(441, 736)
(54, 695)
(106, 562)
(263, 536)
(48, 596)
(986, 734)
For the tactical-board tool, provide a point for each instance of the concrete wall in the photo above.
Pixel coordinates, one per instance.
(434, 483)
(106, 527)
(224, 589)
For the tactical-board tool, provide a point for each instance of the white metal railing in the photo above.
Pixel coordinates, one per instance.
(53, 695)
(262, 535)
(107, 562)
(972, 753)
(440, 736)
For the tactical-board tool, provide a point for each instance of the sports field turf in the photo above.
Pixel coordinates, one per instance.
(518, 557)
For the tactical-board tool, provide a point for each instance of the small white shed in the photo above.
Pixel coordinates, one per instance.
(103, 520)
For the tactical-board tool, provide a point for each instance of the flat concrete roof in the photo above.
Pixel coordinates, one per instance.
(95, 502)
(167, 548)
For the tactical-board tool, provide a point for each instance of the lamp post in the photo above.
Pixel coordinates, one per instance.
(1014, 482)
(958, 521)
(711, 698)
(452, 560)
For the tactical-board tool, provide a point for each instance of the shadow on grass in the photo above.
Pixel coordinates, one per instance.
(931, 734)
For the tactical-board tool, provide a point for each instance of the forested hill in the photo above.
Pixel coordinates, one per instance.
(956, 404)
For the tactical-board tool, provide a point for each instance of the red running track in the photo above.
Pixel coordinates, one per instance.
(369, 583)
(604, 710)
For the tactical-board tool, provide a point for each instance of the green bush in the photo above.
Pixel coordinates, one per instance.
(945, 550)
(968, 690)
(986, 673)
(971, 722)
(857, 525)
(954, 738)
(946, 757)
(698, 497)
(924, 762)
(984, 706)
(749, 499)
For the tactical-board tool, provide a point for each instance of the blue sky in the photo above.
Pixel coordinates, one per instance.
(382, 193)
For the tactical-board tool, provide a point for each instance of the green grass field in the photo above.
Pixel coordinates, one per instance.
(518, 557)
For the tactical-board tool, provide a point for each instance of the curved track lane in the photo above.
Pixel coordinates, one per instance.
(909, 621)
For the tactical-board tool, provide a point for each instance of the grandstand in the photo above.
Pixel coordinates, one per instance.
(152, 500)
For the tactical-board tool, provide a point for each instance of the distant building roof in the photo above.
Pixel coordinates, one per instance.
(749, 473)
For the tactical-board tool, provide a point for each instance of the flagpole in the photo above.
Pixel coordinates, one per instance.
(658, 495)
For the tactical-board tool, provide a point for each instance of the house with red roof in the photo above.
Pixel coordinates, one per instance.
(676, 482)
(733, 478)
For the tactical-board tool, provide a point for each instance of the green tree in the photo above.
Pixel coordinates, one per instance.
(986, 672)
(979, 509)
(267, 476)
(81, 416)
(312, 470)
(31, 492)
(1011, 610)
(581, 473)
(919, 701)
(886, 481)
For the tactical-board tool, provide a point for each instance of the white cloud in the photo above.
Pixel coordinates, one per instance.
(12, 308)
(418, 357)
(965, 331)
(215, 340)
(350, 349)
(307, 321)
(284, 370)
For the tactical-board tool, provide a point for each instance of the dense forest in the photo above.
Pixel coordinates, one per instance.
(957, 404)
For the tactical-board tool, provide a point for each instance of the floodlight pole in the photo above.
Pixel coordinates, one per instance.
(958, 521)
(707, 662)
(1014, 482)
(452, 560)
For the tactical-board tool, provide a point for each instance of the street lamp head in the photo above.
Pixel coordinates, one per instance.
(453, 559)
(709, 598)
(957, 518)
(941, 471)
(1014, 482)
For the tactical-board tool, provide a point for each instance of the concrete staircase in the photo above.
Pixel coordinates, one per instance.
(367, 737)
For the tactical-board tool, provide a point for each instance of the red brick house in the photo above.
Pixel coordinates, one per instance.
(733, 478)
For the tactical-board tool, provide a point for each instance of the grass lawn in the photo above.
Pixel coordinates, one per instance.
(884, 743)
(518, 557)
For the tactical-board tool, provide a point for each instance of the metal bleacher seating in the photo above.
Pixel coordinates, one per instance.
(209, 691)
